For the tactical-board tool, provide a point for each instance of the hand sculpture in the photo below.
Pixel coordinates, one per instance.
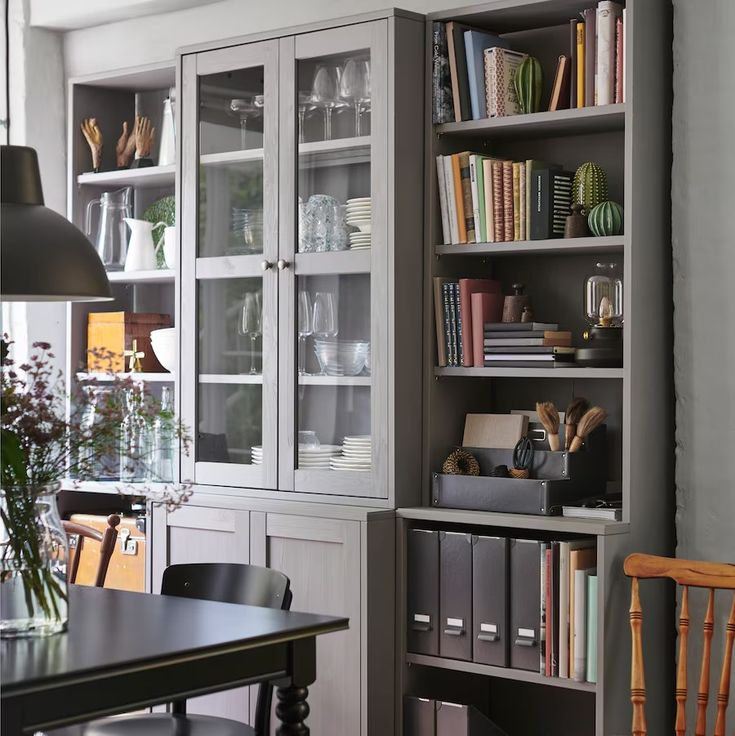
(143, 133)
(124, 148)
(94, 138)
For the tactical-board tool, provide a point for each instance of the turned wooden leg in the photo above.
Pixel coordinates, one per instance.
(292, 710)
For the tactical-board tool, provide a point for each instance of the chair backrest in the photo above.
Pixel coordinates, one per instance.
(106, 539)
(248, 585)
(687, 573)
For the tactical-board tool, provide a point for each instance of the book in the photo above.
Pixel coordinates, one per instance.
(579, 559)
(542, 358)
(458, 199)
(467, 287)
(484, 306)
(531, 166)
(525, 350)
(480, 215)
(610, 513)
(475, 43)
(500, 431)
(447, 311)
(580, 64)
(498, 206)
(555, 609)
(500, 93)
(451, 200)
(466, 184)
(573, 63)
(523, 200)
(560, 88)
(507, 200)
(458, 70)
(590, 55)
(580, 623)
(591, 668)
(549, 608)
(508, 335)
(520, 326)
(442, 104)
(487, 171)
(516, 174)
(440, 320)
(475, 195)
(543, 595)
(551, 203)
(561, 340)
(456, 324)
(527, 364)
(606, 16)
(442, 187)
(619, 59)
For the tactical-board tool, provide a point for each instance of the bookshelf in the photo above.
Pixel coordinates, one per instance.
(631, 141)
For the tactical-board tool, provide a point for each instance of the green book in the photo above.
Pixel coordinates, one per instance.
(592, 628)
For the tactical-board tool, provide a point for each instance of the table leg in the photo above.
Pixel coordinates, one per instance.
(292, 710)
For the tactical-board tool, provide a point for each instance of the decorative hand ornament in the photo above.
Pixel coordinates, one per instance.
(125, 147)
(144, 134)
(94, 138)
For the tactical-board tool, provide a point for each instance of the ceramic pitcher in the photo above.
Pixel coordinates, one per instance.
(141, 251)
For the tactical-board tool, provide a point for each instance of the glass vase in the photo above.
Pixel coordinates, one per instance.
(33, 562)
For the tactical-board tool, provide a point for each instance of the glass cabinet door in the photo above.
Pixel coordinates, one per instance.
(333, 298)
(229, 279)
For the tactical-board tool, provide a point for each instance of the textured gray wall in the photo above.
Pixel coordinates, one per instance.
(704, 267)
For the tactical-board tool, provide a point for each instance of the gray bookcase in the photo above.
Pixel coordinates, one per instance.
(632, 142)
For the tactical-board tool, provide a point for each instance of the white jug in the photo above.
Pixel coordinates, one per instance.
(170, 246)
(141, 251)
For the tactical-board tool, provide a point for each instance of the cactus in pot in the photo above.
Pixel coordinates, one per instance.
(528, 81)
(590, 186)
(606, 219)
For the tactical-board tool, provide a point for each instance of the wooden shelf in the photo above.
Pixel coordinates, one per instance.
(108, 378)
(333, 262)
(151, 177)
(556, 246)
(337, 152)
(555, 524)
(571, 372)
(334, 381)
(159, 276)
(506, 673)
(599, 119)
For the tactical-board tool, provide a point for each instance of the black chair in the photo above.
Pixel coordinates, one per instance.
(227, 583)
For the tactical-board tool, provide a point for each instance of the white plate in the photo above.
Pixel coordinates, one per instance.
(354, 200)
(352, 466)
(351, 212)
(359, 438)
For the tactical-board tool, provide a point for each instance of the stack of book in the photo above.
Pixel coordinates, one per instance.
(490, 200)
(473, 68)
(526, 345)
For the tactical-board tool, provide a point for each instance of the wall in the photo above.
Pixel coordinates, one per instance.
(704, 266)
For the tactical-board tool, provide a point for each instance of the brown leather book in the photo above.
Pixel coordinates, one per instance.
(561, 87)
(498, 217)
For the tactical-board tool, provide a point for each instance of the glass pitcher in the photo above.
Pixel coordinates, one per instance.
(111, 238)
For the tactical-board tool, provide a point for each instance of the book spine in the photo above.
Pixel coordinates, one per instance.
(542, 611)
(605, 54)
(507, 200)
(459, 198)
(458, 324)
(580, 625)
(573, 59)
(590, 55)
(436, 64)
(549, 612)
(625, 52)
(481, 218)
(516, 201)
(475, 191)
(564, 610)
(619, 59)
(580, 64)
(442, 187)
(498, 223)
(487, 170)
(476, 95)
(555, 608)
(451, 200)
(592, 628)
(453, 72)
(469, 218)
(540, 205)
(441, 344)
(447, 323)
(490, 71)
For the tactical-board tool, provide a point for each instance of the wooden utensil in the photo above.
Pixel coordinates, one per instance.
(575, 411)
(549, 417)
(591, 420)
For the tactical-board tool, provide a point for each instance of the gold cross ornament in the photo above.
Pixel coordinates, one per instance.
(135, 366)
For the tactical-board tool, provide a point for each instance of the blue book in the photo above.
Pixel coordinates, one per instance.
(475, 43)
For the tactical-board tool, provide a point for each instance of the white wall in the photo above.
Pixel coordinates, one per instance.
(704, 270)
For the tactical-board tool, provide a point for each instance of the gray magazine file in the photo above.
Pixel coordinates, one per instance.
(455, 595)
(422, 601)
(453, 719)
(525, 604)
(419, 716)
(490, 600)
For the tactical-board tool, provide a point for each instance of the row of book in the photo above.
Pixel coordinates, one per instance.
(527, 345)
(490, 200)
(473, 68)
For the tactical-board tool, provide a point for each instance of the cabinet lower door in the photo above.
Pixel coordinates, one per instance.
(197, 534)
(322, 559)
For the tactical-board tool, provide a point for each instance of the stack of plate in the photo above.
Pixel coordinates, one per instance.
(358, 214)
(356, 454)
(311, 458)
(256, 454)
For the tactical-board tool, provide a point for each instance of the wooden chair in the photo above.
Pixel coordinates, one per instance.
(711, 575)
(107, 540)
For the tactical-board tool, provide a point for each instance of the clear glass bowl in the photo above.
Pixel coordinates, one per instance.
(342, 357)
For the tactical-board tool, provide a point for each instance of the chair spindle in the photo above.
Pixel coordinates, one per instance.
(637, 677)
(723, 694)
(703, 693)
(681, 672)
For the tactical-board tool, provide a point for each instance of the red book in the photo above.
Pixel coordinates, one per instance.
(484, 307)
(549, 614)
(619, 61)
(467, 287)
(507, 200)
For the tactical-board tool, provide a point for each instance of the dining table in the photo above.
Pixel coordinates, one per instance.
(123, 651)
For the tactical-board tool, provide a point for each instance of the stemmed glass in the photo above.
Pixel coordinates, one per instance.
(251, 323)
(305, 107)
(325, 317)
(247, 108)
(325, 94)
(354, 87)
(306, 327)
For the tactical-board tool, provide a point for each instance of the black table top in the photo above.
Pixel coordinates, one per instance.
(113, 628)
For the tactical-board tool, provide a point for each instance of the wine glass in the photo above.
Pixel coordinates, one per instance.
(247, 108)
(325, 93)
(251, 323)
(306, 327)
(354, 87)
(305, 107)
(325, 317)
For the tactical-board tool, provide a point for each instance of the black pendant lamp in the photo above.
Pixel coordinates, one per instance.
(43, 256)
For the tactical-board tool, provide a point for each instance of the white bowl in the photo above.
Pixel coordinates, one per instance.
(163, 343)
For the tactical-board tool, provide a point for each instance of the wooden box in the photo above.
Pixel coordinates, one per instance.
(115, 332)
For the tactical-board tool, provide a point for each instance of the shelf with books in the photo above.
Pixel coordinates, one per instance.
(552, 246)
(506, 673)
(543, 372)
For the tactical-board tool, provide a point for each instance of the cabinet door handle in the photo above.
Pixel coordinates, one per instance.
(282, 265)
(265, 265)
